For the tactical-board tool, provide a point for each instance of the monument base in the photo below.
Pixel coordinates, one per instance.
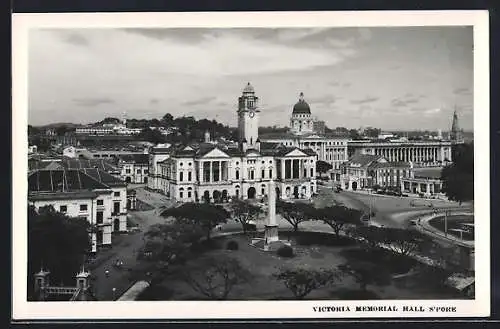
(271, 233)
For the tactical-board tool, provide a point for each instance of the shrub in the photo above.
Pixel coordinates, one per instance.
(285, 251)
(232, 245)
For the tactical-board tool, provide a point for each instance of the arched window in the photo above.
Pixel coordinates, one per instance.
(189, 192)
(237, 174)
(181, 193)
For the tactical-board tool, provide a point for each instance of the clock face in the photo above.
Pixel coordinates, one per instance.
(251, 114)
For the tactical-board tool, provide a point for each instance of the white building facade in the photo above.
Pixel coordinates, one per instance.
(77, 193)
(216, 173)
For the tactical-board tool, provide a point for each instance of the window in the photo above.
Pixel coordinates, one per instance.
(127, 171)
(181, 193)
(252, 174)
(99, 217)
(270, 173)
(117, 194)
(100, 202)
(138, 171)
(116, 208)
(263, 173)
(312, 172)
(181, 176)
(305, 172)
(237, 174)
(189, 176)
(145, 171)
(83, 207)
(63, 209)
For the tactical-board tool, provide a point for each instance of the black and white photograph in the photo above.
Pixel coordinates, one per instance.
(331, 162)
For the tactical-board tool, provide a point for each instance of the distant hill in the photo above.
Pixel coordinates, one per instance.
(59, 124)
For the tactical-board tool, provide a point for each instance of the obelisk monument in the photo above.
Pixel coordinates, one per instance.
(271, 227)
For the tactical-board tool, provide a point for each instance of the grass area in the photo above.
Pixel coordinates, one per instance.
(454, 222)
(312, 251)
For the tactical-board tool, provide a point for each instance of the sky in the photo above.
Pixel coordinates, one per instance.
(405, 78)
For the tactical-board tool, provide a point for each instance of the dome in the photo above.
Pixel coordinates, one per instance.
(301, 107)
(248, 88)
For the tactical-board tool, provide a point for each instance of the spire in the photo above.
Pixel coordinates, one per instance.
(301, 96)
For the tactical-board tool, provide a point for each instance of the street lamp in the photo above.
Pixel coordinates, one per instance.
(114, 293)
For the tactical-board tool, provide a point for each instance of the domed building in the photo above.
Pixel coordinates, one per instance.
(301, 121)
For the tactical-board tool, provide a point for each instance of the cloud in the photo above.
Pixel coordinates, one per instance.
(199, 101)
(75, 39)
(431, 112)
(367, 99)
(462, 91)
(88, 102)
(404, 101)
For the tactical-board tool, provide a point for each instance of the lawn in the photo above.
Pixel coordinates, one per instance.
(312, 251)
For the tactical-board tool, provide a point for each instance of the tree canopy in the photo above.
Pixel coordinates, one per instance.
(56, 242)
(322, 167)
(458, 177)
(301, 281)
(215, 277)
(338, 216)
(204, 215)
(295, 213)
(244, 212)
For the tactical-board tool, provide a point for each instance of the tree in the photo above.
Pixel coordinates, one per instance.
(301, 281)
(354, 134)
(165, 242)
(373, 236)
(339, 216)
(365, 273)
(56, 242)
(295, 213)
(458, 177)
(215, 277)
(167, 119)
(244, 212)
(203, 215)
(153, 136)
(322, 166)
(404, 242)
(372, 132)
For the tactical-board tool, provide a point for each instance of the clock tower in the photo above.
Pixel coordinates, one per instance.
(248, 118)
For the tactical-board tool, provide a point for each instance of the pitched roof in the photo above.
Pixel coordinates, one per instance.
(363, 159)
(375, 165)
(102, 164)
(65, 180)
(104, 177)
(282, 151)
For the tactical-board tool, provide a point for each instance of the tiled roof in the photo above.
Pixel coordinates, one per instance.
(135, 158)
(390, 165)
(66, 180)
(105, 165)
(104, 177)
(363, 159)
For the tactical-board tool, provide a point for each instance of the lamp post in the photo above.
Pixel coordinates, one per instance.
(114, 293)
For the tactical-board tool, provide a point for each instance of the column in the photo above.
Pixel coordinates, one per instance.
(220, 171)
(211, 173)
(200, 170)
